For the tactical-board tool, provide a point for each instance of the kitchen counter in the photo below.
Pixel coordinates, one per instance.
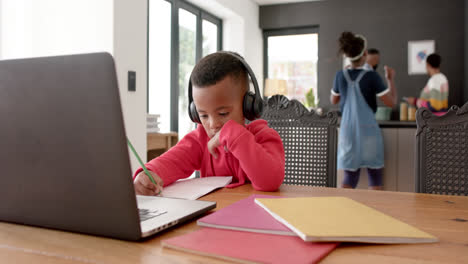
(397, 124)
(389, 123)
(393, 124)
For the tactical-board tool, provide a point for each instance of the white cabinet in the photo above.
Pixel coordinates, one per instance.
(406, 159)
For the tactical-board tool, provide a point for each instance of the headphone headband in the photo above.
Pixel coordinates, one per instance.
(249, 71)
(257, 100)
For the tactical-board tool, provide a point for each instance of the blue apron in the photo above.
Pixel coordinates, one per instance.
(360, 142)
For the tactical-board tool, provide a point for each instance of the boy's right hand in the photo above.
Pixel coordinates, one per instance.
(213, 145)
(144, 186)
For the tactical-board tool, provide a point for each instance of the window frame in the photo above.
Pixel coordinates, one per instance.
(174, 67)
(285, 32)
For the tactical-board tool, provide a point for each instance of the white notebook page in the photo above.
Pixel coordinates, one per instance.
(192, 189)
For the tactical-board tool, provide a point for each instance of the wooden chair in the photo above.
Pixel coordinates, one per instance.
(309, 140)
(442, 151)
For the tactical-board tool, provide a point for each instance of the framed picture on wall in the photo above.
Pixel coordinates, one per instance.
(417, 54)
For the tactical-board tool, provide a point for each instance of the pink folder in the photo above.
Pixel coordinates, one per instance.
(250, 247)
(246, 215)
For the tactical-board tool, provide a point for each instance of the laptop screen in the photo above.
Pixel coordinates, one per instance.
(65, 162)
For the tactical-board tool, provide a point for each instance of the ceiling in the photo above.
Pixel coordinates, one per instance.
(277, 2)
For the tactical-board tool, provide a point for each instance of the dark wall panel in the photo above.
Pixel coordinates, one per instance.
(465, 83)
(388, 26)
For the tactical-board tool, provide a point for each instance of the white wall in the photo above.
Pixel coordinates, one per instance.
(1, 12)
(241, 33)
(30, 28)
(130, 42)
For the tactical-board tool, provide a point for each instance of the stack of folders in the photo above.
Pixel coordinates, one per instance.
(271, 229)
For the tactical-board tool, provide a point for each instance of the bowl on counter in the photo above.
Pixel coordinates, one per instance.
(383, 113)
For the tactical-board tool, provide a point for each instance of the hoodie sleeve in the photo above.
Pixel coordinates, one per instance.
(260, 153)
(179, 161)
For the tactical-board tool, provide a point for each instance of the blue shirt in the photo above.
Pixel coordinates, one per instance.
(371, 86)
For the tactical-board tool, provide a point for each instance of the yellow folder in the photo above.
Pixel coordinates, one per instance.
(341, 219)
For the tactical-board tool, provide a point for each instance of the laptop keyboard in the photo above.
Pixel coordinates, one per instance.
(146, 214)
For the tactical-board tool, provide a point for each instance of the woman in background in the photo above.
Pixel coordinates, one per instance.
(434, 95)
(360, 143)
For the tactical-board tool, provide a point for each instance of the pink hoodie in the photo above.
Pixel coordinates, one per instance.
(255, 154)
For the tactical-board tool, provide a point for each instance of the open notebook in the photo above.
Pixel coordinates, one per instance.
(192, 189)
(341, 219)
(246, 215)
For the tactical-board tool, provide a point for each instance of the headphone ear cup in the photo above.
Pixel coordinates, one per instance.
(248, 106)
(193, 114)
(258, 107)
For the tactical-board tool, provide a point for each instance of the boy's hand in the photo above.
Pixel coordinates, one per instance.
(213, 145)
(144, 186)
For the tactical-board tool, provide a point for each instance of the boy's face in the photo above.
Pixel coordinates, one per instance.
(216, 104)
(373, 60)
(428, 68)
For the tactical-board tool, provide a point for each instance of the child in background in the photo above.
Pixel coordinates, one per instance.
(360, 143)
(222, 145)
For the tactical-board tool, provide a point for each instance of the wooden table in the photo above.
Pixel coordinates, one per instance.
(435, 214)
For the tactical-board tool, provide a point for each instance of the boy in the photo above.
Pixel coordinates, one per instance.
(435, 94)
(372, 59)
(222, 145)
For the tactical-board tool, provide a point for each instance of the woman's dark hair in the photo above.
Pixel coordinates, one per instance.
(215, 67)
(350, 45)
(434, 60)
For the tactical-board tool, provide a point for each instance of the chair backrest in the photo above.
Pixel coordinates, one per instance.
(442, 151)
(309, 141)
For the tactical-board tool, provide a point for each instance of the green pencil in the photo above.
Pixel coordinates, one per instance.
(141, 162)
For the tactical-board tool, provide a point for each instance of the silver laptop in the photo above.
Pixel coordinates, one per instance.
(64, 160)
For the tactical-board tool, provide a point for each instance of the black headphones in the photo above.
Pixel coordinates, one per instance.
(252, 105)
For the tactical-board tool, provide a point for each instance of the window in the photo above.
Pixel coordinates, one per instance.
(31, 28)
(159, 57)
(210, 37)
(187, 60)
(179, 34)
(295, 66)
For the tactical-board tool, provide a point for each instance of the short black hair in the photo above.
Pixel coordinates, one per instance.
(434, 60)
(215, 67)
(373, 51)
